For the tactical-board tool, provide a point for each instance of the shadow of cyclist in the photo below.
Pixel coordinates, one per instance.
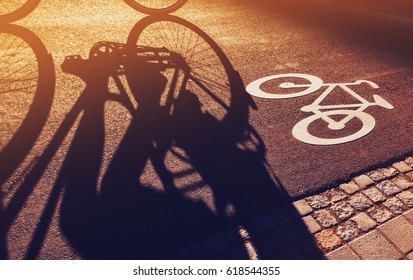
(126, 219)
(148, 135)
(129, 220)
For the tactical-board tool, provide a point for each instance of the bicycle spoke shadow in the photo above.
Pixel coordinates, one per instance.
(28, 73)
(228, 183)
(27, 88)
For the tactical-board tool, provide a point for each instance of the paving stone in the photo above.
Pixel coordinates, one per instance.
(244, 233)
(402, 166)
(410, 256)
(409, 161)
(237, 235)
(364, 222)
(388, 188)
(342, 253)
(389, 172)
(360, 202)
(325, 218)
(194, 251)
(409, 215)
(409, 175)
(374, 194)
(380, 214)
(406, 197)
(402, 182)
(374, 246)
(335, 195)
(311, 224)
(347, 231)
(318, 201)
(303, 208)
(328, 240)
(216, 244)
(376, 175)
(343, 210)
(349, 188)
(262, 223)
(363, 181)
(252, 253)
(400, 232)
(288, 234)
(395, 205)
(243, 252)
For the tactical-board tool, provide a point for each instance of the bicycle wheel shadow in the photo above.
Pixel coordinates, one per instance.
(27, 69)
(228, 183)
(27, 82)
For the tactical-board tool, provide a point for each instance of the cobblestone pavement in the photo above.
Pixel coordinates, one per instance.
(369, 217)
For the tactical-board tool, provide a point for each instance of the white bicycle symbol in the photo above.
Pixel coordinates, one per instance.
(324, 112)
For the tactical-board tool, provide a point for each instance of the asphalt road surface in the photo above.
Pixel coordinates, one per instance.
(202, 163)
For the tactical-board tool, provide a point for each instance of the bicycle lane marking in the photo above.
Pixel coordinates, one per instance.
(312, 84)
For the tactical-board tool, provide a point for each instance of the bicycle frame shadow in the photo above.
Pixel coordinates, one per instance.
(126, 219)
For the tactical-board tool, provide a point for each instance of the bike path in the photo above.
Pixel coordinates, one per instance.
(336, 54)
(270, 39)
(259, 42)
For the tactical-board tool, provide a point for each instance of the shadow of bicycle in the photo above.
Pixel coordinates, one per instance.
(188, 165)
